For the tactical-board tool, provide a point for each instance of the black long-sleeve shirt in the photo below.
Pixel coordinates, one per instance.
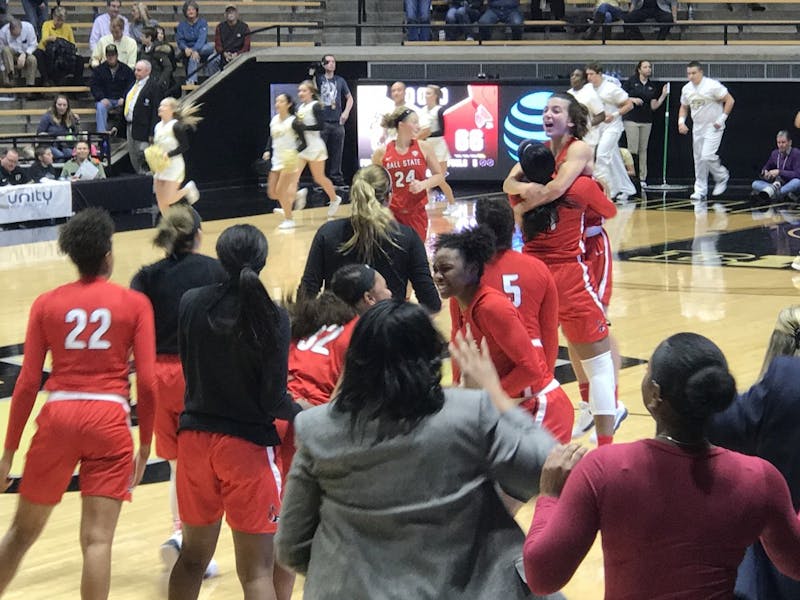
(231, 389)
(400, 264)
(165, 282)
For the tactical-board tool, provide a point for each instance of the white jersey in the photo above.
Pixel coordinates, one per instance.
(704, 100)
(315, 146)
(612, 95)
(282, 134)
(587, 96)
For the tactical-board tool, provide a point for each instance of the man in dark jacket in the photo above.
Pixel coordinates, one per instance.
(141, 114)
(110, 80)
(232, 36)
(780, 177)
(10, 173)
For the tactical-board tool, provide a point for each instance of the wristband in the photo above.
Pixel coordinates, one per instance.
(681, 120)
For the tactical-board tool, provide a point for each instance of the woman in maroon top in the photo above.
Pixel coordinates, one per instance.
(697, 506)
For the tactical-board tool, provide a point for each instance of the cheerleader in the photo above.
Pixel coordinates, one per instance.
(170, 142)
(309, 113)
(408, 160)
(432, 124)
(286, 135)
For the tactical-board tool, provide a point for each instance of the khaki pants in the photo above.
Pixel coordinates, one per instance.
(10, 64)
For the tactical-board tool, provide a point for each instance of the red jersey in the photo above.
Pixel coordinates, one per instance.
(408, 208)
(90, 327)
(529, 285)
(565, 241)
(316, 362)
(522, 371)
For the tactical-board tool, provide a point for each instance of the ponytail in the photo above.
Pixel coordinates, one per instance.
(373, 223)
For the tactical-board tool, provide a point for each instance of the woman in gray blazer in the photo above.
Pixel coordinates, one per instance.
(392, 493)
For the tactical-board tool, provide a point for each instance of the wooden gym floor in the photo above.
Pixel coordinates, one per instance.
(725, 275)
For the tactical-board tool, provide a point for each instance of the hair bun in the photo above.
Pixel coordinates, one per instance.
(710, 390)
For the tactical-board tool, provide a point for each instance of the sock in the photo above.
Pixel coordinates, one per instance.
(584, 390)
(616, 396)
(604, 440)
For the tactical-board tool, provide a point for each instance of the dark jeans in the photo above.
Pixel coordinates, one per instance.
(510, 16)
(418, 12)
(36, 13)
(463, 15)
(333, 136)
(643, 14)
(557, 10)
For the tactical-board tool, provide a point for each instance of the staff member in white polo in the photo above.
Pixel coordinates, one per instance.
(710, 104)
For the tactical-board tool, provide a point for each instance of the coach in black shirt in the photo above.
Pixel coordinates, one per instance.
(10, 173)
(647, 97)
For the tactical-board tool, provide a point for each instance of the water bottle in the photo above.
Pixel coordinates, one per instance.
(442, 35)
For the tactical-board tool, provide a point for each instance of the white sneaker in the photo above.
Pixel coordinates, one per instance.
(619, 417)
(796, 263)
(584, 422)
(300, 199)
(721, 186)
(697, 197)
(212, 570)
(277, 211)
(334, 206)
(192, 193)
(287, 224)
(171, 550)
(451, 210)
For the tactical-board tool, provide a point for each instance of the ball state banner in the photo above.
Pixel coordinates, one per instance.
(35, 201)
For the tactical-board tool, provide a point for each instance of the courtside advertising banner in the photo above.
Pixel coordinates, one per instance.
(35, 201)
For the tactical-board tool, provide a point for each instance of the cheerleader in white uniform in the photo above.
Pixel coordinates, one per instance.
(286, 139)
(171, 140)
(432, 130)
(309, 113)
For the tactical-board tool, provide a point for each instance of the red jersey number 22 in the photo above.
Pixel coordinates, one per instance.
(101, 316)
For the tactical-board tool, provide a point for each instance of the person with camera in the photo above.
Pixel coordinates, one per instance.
(337, 102)
(780, 177)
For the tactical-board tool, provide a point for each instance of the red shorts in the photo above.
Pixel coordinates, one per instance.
(170, 388)
(553, 411)
(285, 452)
(417, 219)
(598, 258)
(219, 474)
(94, 433)
(580, 312)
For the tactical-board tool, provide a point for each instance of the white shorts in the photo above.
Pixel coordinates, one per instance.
(175, 171)
(315, 151)
(440, 148)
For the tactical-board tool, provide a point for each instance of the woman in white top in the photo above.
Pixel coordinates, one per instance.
(309, 113)
(432, 130)
(286, 137)
(171, 138)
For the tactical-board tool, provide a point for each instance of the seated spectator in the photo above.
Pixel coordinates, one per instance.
(192, 40)
(126, 46)
(703, 504)
(780, 177)
(606, 11)
(662, 11)
(61, 121)
(462, 12)
(10, 173)
(74, 168)
(110, 82)
(42, 168)
(389, 415)
(57, 55)
(18, 40)
(763, 422)
(232, 36)
(162, 43)
(140, 18)
(418, 19)
(161, 60)
(102, 23)
(501, 11)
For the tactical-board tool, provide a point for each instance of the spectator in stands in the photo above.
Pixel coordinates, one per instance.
(18, 40)
(61, 121)
(418, 19)
(161, 60)
(557, 10)
(662, 11)
(780, 177)
(162, 43)
(232, 36)
(192, 40)
(337, 102)
(644, 93)
(140, 18)
(606, 11)
(35, 13)
(102, 23)
(10, 173)
(110, 82)
(464, 13)
(74, 168)
(501, 11)
(126, 45)
(42, 168)
(57, 55)
(141, 114)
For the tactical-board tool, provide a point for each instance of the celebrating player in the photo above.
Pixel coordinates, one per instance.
(432, 123)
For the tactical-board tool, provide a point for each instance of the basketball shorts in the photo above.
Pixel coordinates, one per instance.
(580, 312)
(92, 433)
(598, 260)
(552, 410)
(219, 474)
(170, 389)
(285, 452)
(416, 218)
